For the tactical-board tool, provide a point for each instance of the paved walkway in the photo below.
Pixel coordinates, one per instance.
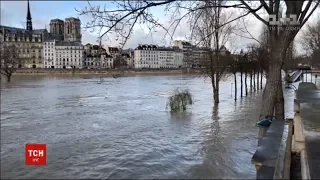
(310, 116)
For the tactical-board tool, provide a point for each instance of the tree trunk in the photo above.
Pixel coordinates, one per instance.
(258, 80)
(245, 83)
(235, 86)
(254, 81)
(251, 81)
(215, 87)
(261, 79)
(8, 77)
(241, 90)
(270, 91)
(279, 104)
(216, 96)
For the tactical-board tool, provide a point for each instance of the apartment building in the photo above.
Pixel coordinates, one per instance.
(170, 57)
(146, 56)
(107, 61)
(49, 54)
(127, 56)
(96, 57)
(68, 54)
(152, 56)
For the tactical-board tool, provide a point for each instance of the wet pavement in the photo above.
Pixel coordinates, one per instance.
(310, 113)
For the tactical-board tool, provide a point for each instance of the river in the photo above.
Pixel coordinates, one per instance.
(121, 128)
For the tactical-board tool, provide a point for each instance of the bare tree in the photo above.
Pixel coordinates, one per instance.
(311, 42)
(242, 62)
(247, 68)
(128, 13)
(9, 60)
(234, 68)
(212, 37)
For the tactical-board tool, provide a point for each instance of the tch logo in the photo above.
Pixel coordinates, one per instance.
(36, 154)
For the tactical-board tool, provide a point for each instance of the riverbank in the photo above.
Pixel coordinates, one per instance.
(104, 71)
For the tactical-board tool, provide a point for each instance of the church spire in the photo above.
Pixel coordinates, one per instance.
(29, 19)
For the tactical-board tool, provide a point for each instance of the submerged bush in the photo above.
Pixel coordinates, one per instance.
(179, 100)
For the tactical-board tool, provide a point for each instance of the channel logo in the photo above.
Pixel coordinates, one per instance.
(36, 154)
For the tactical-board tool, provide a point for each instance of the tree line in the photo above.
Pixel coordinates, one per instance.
(209, 25)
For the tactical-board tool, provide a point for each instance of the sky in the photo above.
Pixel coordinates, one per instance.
(13, 13)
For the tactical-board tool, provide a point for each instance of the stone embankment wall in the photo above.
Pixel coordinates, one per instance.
(105, 71)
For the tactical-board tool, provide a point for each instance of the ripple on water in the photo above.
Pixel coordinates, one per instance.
(121, 129)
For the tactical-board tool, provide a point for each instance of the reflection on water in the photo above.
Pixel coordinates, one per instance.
(121, 129)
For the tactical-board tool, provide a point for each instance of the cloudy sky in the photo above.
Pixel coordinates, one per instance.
(13, 13)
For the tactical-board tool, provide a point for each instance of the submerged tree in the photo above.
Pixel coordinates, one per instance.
(234, 68)
(9, 60)
(207, 30)
(179, 100)
(128, 13)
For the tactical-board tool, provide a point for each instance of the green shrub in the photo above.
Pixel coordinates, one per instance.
(179, 100)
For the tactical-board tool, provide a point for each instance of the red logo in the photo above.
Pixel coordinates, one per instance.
(36, 154)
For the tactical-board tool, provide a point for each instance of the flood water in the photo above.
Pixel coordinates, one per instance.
(121, 128)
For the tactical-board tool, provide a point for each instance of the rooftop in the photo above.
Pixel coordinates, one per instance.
(144, 46)
(68, 43)
(53, 20)
(72, 18)
(20, 30)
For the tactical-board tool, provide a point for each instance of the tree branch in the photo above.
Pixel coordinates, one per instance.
(306, 19)
(254, 12)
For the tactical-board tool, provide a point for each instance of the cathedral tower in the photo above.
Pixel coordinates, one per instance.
(29, 19)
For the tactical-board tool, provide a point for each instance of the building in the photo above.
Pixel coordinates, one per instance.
(49, 50)
(115, 52)
(72, 29)
(146, 56)
(191, 53)
(68, 54)
(107, 61)
(170, 57)
(28, 41)
(57, 29)
(165, 57)
(178, 58)
(183, 45)
(152, 56)
(127, 56)
(96, 57)
(92, 61)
